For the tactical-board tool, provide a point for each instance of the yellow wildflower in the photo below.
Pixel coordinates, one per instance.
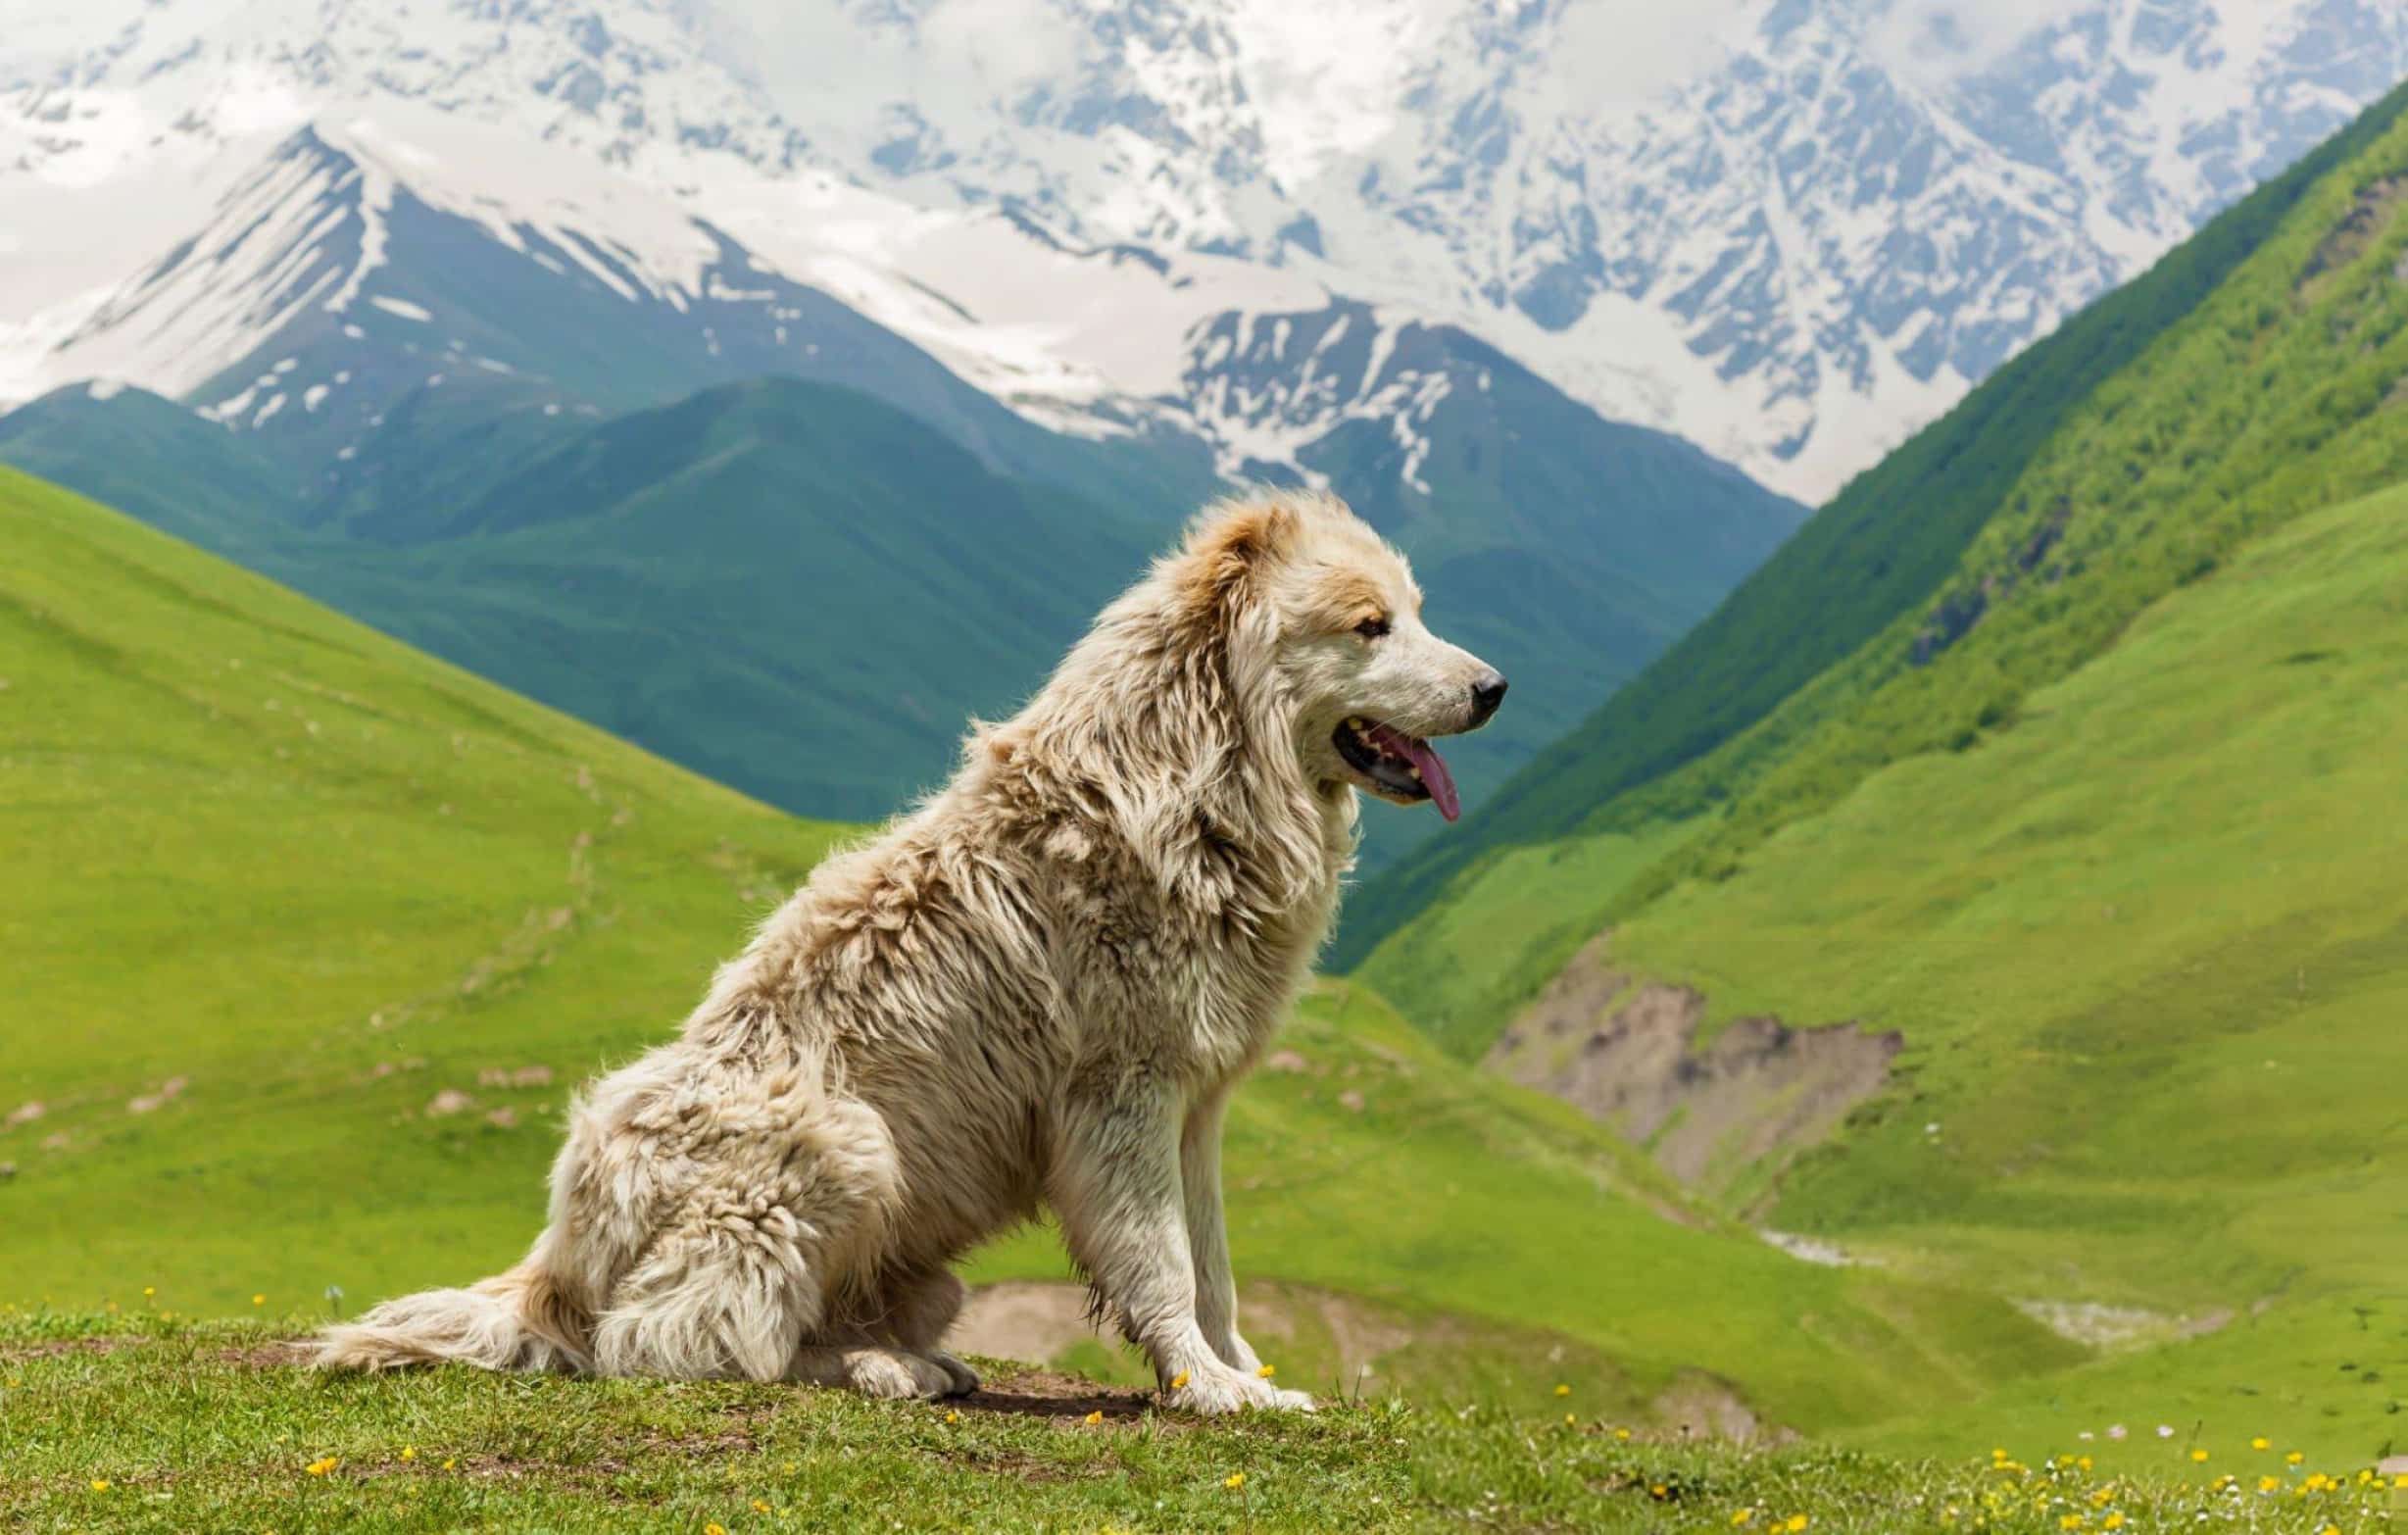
(2198, 1454)
(949, 1417)
(2296, 1457)
(1744, 1516)
(1794, 1523)
(2113, 1521)
(2400, 1480)
(2072, 1521)
(2261, 1442)
(1622, 1433)
(1268, 1372)
(760, 1507)
(149, 1290)
(100, 1484)
(451, 1465)
(1569, 1422)
(2084, 1461)
(1563, 1390)
(1096, 1416)
(1179, 1380)
(1234, 1480)
(2269, 1483)
(714, 1528)
(409, 1452)
(258, 1300)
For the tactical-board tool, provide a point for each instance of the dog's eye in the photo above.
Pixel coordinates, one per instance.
(1372, 628)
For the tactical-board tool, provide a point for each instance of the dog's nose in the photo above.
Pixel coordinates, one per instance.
(1486, 694)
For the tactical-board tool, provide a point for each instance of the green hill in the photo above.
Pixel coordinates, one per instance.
(324, 932)
(1686, 735)
(802, 590)
(2100, 830)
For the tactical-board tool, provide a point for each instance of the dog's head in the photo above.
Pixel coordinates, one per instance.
(1327, 633)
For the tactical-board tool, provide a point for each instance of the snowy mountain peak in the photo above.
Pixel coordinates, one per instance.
(1791, 230)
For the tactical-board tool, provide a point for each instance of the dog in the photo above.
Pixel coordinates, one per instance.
(1038, 987)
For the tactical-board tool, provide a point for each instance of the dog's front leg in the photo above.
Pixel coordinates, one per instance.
(1208, 1236)
(1115, 1183)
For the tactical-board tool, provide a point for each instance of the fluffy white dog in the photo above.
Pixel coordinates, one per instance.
(1038, 986)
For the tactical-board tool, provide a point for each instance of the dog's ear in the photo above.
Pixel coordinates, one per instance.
(1233, 545)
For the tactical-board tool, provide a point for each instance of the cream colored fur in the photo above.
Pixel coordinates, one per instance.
(1038, 987)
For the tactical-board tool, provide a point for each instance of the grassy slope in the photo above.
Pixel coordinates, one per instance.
(2150, 989)
(1880, 548)
(2114, 861)
(324, 880)
(2151, 996)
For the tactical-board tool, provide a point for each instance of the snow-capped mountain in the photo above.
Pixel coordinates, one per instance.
(1790, 238)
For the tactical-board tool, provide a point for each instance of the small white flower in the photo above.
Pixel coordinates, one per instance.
(2116, 1431)
(2165, 1430)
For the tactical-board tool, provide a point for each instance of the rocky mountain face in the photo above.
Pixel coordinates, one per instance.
(1789, 240)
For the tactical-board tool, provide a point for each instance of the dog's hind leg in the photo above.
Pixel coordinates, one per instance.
(875, 1370)
(918, 1307)
(789, 1213)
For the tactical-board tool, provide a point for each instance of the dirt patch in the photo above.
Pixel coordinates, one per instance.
(2115, 1328)
(1022, 1321)
(2348, 240)
(287, 1355)
(1051, 1393)
(1700, 1406)
(1044, 1321)
(53, 1348)
(1624, 1051)
(151, 1102)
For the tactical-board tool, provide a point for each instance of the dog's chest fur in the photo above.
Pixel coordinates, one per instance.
(1183, 957)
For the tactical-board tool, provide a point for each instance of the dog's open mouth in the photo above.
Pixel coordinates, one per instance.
(1399, 765)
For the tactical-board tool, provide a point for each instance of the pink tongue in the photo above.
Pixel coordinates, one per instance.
(1434, 775)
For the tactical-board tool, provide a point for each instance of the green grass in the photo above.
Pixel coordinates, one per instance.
(150, 1423)
(215, 1428)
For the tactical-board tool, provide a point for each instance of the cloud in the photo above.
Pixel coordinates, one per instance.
(1608, 53)
(814, 55)
(1936, 42)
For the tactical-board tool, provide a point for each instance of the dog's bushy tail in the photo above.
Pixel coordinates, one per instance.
(519, 1320)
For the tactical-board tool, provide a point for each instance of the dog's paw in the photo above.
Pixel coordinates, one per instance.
(895, 1375)
(1216, 1391)
(965, 1379)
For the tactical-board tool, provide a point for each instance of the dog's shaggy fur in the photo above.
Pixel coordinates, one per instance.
(1038, 986)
